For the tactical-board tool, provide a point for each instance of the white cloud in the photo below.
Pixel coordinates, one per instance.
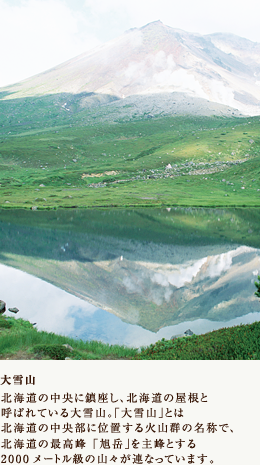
(181, 275)
(48, 306)
(201, 16)
(218, 264)
(37, 35)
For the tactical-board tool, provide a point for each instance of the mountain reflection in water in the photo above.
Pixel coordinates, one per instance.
(55, 310)
(107, 275)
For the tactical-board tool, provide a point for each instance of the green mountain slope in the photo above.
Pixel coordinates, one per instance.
(51, 157)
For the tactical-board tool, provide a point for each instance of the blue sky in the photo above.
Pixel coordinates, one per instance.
(36, 35)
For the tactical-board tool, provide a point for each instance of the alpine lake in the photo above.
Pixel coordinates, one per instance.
(131, 276)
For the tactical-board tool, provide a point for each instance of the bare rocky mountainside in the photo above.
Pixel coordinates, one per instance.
(203, 72)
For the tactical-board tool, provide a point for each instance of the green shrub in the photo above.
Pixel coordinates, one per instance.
(236, 343)
(257, 284)
(4, 323)
(54, 351)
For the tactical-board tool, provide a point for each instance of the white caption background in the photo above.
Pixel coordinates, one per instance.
(228, 404)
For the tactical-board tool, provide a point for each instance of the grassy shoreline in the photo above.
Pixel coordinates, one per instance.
(20, 340)
(19, 337)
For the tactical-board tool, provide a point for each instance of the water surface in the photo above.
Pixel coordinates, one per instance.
(131, 277)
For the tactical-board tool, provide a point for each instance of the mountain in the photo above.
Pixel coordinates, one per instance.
(154, 59)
